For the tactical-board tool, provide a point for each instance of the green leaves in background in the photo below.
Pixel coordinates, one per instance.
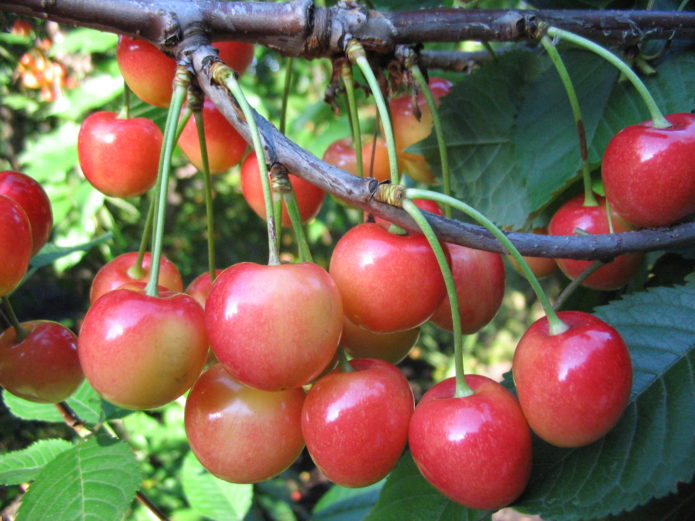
(210, 496)
(652, 447)
(94, 480)
(23, 465)
(346, 504)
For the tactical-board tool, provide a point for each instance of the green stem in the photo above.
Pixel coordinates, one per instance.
(346, 75)
(136, 271)
(286, 94)
(225, 75)
(357, 55)
(576, 282)
(296, 220)
(20, 332)
(589, 198)
(439, 132)
(185, 116)
(126, 100)
(556, 326)
(277, 216)
(343, 361)
(168, 143)
(462, 388)
(209, 215)
(658, 119)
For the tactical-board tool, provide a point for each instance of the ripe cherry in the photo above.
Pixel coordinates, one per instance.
(101, 143)
(649, 173)
(475, 450)
(341, 153)
(573, 386)
(199, 288)
(359, 342)
(15, 244)
(33, 199)
(240, 434)
(42, 367)
(541, 267)
(355, 423)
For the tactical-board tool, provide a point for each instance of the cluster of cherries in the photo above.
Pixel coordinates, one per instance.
(276, 329)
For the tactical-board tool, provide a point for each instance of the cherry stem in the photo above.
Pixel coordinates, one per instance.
(286, 94)
(658, 119)
(576, 282)
(209, 215)
(126, 100)
(357, 55)
(181, 82)
(20, 332)
(346, 76)
(297, 227)
(462, 388)
(224, 74)
(589, 198)
(439, 132)
(136, 271)
(343, 361)
(185, 116)
(556, 326)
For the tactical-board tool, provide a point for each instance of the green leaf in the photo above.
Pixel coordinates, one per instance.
(407, 495)
(84, 41)
(52, 252)
(23, 465)
(212, 497)
(652, 448)
(676, 507)
(346, 504)
(94, 481)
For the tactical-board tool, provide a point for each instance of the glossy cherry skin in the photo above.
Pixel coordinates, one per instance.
(341, 153)
(475, 450)
(309, 197)
(15, 244)
(593, 219)
(141, 352)
(149, 72)
(573, 387)
(359, 342)
(388, 282)
(355, 423)
(42, 367)
(408, 129)
(199, 288)
(241, 434)
(102, 144)
(119, 271)
(649, 174)
(33, 199)
(479, 279)
(274, 327)
(225, 145)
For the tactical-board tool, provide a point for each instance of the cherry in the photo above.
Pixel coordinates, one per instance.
(388, 282)
(237, 55)
(408, 129)
(140, 351)
(649, 173)
(359, 342)
(241, 434)
(573, 215)
(15, 244)
(120, 271)
(309, 197)
(341, 153)
(479, 279)
(475, 450)
(102, 144)
(225, 145)
(274, 327)
(199, 287)
(42, 367)
(356, 423)
(541, 267)
(573, 386)
(33, 199)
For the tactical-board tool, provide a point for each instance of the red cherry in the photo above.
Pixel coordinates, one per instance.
(359, 342)
(15, 244)
(274, 327)
(475, 450)
(237, 55)
(33, 199)
(119, 271)
(479, 279)
(541, 267)
(42, 367)
(240, 434)
(574, 215)
(199, 288)
(101, 146)
(649, 173)
(341, 153)
(141, 352)
(309, 197)
(388, 282)
(573, 387)
(225, 145)
(356, 423)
